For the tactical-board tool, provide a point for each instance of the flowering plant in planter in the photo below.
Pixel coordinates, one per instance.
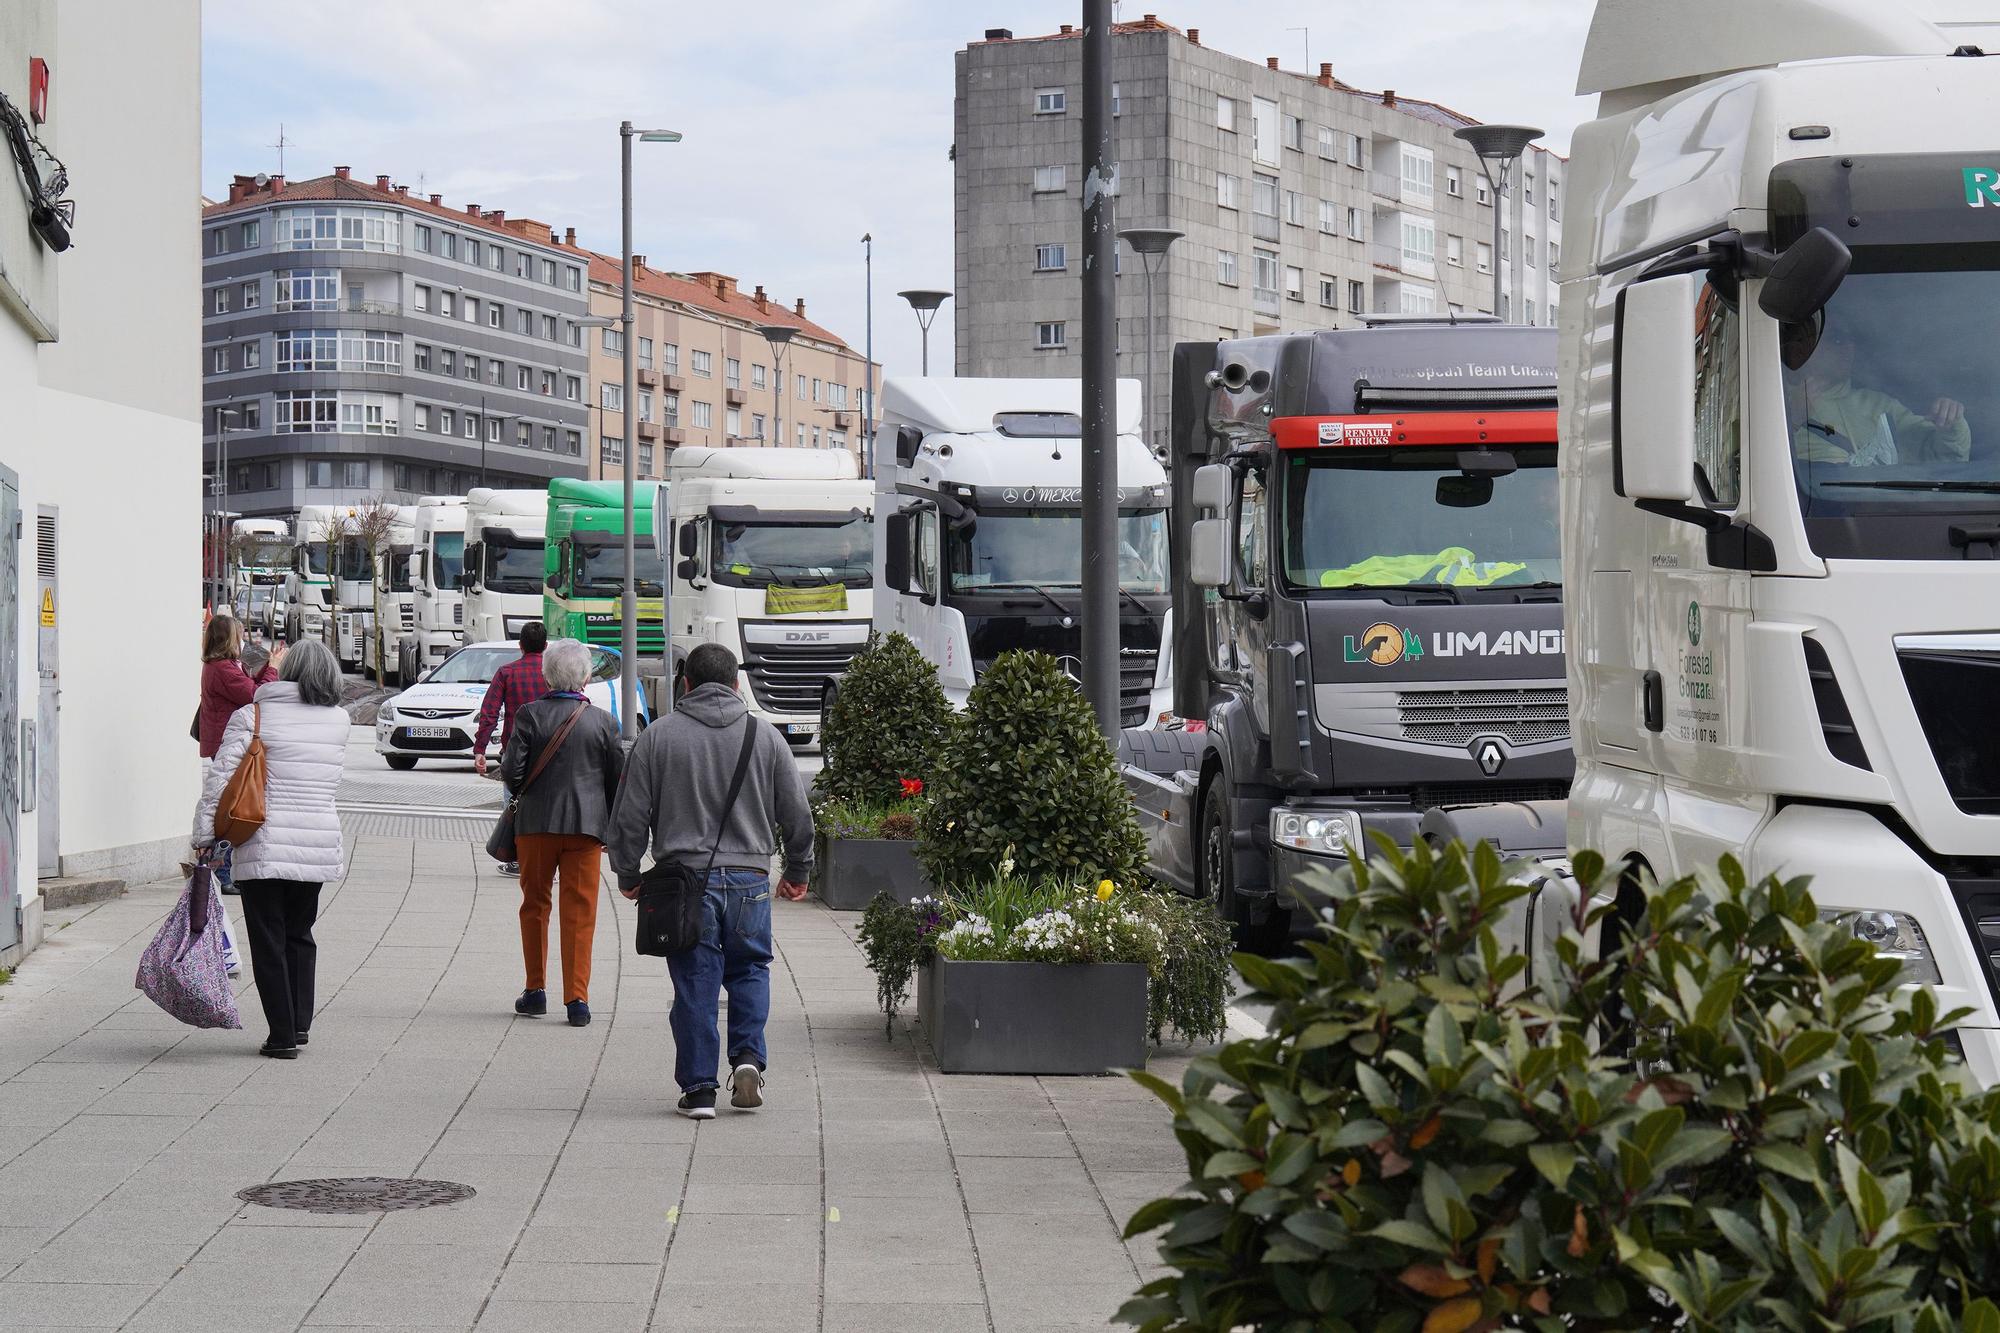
(885, 726)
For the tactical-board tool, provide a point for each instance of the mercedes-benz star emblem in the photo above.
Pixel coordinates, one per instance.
(1071, 667)
(1492, 758)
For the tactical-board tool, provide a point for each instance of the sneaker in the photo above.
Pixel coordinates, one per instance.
(698, 1105)
(232, 967)
(746, 1087)
(511, 868)
(532, 1004)
(579, 1014)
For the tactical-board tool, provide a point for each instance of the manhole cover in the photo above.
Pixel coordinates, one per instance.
(355, 1194)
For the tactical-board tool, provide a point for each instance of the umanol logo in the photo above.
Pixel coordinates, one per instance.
(1982, 186)
(1355, 433)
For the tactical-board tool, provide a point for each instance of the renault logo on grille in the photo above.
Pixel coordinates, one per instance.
(1490, 755)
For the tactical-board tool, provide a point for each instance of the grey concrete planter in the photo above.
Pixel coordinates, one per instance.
(853, 870)
(1034, 1018)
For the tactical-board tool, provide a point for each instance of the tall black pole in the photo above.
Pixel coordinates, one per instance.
(1100, 374)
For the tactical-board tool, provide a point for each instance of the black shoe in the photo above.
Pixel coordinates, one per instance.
(292, 1053)
(532, 1004)
(511, 868)
(304, 1039)
(698, 1105)
(579, 1014)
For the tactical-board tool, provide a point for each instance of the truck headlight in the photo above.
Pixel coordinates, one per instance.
(1894, 935)
(1323, 832)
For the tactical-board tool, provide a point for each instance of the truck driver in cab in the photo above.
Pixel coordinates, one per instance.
(1838, 421)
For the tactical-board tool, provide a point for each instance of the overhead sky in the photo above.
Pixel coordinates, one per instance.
(808, 122)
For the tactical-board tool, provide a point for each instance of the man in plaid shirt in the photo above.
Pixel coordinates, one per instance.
(513, 688)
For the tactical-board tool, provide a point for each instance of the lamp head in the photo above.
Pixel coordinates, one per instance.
(924, 301)
(1498, 143)
(1150, 240)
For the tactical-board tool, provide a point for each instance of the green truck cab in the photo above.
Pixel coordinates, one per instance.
(583, 563)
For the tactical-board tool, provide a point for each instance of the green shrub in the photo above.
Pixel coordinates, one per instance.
(1425, 1140)
(887, 724)
(1026, 775)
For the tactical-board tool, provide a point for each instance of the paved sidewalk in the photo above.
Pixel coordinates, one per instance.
(871, 1193)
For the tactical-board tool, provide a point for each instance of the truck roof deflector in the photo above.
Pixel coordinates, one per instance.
(1637, 43)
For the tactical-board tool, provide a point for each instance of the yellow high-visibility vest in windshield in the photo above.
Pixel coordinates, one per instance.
(1454, 566)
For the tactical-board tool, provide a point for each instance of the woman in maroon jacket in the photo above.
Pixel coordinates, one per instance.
(225, 685)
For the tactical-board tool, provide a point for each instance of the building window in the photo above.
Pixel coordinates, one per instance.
(1419, 245)
(1357, 298)
(447, 304)
(1454, 183)
(1529, 308)
(757, 373)
(524, 265)
(1050, 180)
(472, 250)
(448, 245)
(1329, 217)
(1417, 182)
(670, 358)
(1481, 192)
(218, 241)
(218, 362)
(549, 279)
(1329, 292)
(524, 435)
(1117, 104)
(423, 239)
(800, 387)
(308, 411)
(1049, 258)
(1555, 200)
(319, 472)
(1294, 132)
(252, 294)
(611, 397)
(496, 258)
(645, 404)
(1051, 101)
(1228, 190)
(495, 315)
(308, 289)
(670, 409)
(1417, 300)
(524, 323)
(1355, 225)
(524, 378)
(448, 363)
(253, 355)
(1295, 208)
(471, 426)
(732, 422)
(471, 310)
(1482, 257)
(573, 443)
(1225, 267)
(1528, 195)
(816, 391)
(1454, 251)
(757, 425)
(645, 459)
(420, 356)
(1264, 276)
(1327, 148)
(703, 414)
(1264, 131)
(1225, 113)
(732, 372)
(1050, 335)
(573, 388)
(332, 228)
(420, 416)
(703, 363)
(1555, 256)
(219, 302)
(1354, 158)
(548, 384)
(1295, 283)
(496, 372)
(614, 342)
(573, 277)
(549, 432)
(549, 327)
(253, 231)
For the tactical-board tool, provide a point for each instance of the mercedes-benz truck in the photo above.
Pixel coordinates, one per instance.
(437, 602)
(979, 531)
(1367, 597)
(1780, 418)
(772, 553)
(502, 575)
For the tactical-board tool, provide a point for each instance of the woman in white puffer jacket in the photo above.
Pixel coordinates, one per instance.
(280, 868)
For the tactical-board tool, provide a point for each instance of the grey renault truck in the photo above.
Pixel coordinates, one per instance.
(1367, 600)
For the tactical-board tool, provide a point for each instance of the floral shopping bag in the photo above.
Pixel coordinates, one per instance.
(183, 970)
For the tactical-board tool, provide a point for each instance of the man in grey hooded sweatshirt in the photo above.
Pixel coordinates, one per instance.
(671, 805)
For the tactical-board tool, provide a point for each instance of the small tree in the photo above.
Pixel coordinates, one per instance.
(1026, 775)
(887, 723)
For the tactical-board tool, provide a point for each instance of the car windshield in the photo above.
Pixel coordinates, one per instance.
(512, 568)
(597, 567)
(1416, 518)
(757, 555)
(1030, 548)
(473, 666)
(448, 551)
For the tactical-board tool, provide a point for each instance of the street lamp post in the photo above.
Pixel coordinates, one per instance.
(220, 490)
(1498, 147)
(628, 606)
(868, 398)
(925, 303)
(1151, 243)
(779, 336)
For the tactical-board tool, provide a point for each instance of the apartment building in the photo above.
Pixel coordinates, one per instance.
(708, 374)
(1305, 202)
(361, 340)
(100, 435)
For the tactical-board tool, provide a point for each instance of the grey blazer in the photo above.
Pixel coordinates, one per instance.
(576, 791)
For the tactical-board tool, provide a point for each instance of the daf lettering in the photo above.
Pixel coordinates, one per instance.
(804, 636)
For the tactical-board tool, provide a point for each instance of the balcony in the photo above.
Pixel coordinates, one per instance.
(735, 397)
(842, 420)
(675, 435)
(649, 430)
(364, 307)
(648, 377)
(672, 383)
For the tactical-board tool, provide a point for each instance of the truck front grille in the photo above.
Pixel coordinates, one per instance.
(1136, 668)
(651, 640)
(409, 616)
(1952, 690)
(1446, 716)
(788, 677)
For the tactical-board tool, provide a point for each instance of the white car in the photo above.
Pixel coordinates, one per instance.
(436, 717)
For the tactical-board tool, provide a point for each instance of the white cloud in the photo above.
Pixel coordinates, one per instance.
(807, 123)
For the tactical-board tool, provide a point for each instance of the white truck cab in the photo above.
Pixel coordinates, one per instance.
(260, 558)
(979, 532)
(317, 536)
(1779, 424)
(502, 576)
(773, 559)
(437, 603)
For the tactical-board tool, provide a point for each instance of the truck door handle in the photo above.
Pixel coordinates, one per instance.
(1653, 693)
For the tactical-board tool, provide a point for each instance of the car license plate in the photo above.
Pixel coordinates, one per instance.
(802, 729)
(429, 733)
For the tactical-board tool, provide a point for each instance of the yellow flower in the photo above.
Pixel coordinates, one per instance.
(1105, 888)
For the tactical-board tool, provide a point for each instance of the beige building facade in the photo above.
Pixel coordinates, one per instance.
(709, 375)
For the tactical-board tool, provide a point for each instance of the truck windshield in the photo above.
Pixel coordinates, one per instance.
(1414, 518)
(398, 562)
(264, 553)
(757, 555)
(315, 557)
(1027, 548)
(448, 557)
(597, 566)
(512, 568)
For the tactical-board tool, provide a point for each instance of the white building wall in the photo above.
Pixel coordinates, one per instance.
(103, 423)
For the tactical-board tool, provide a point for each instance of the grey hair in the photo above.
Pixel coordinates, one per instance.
(566, 664)
(312, 666)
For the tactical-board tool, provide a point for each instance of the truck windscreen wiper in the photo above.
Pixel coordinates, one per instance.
(1133, 598)
(1444, 590)
(1971, 487)
(1047, 596)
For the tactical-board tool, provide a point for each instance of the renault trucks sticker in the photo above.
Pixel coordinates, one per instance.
(1385, 645)
(1358, 434)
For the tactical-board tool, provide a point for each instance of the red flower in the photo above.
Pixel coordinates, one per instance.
(912, 787)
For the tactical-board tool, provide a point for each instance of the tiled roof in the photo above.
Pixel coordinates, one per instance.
(689, 289)
(246, 192)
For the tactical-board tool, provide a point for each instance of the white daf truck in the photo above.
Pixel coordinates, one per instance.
(502, 575)
(1779, 425)
(437, 603)
(773, 559)
(979, 532)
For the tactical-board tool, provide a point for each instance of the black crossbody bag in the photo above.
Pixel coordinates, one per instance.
(671, 894)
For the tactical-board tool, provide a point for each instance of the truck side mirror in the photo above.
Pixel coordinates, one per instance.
(1208, 551)
(688, 539)
(896, 559)
(1212, 486)
(1653, 397)
(908, 440)
(1805, 277)
(687, 569)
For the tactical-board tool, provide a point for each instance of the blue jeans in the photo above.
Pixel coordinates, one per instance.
(734, 955)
